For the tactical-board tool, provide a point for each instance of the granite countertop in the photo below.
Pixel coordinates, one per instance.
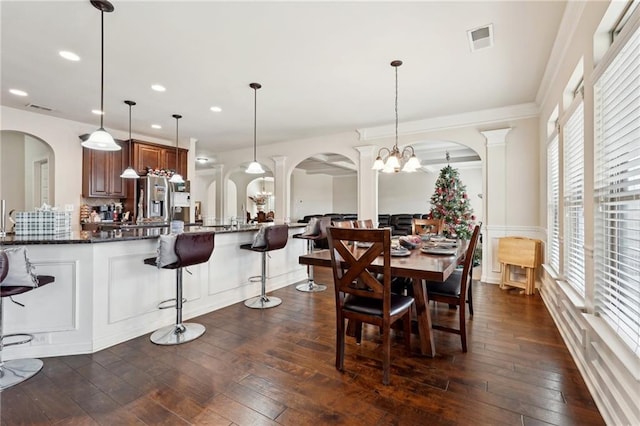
(125, 233)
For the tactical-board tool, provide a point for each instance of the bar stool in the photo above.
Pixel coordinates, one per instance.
(17, 370)
(310, 285)
(190, 249)
(275, 238)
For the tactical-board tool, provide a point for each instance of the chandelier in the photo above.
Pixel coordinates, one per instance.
(396, 160)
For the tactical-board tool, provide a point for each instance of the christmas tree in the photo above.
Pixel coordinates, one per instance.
(451, 203)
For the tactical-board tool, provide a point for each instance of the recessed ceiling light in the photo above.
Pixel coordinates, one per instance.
(215, 109)
(156, 126)
(202, 159)
(158, 87)
(97, 112)
(69, 55)
(18, 92)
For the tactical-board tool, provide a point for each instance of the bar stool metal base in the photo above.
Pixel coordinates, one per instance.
(262, 302)
(17, 371)
(177, 334)
(311, 287)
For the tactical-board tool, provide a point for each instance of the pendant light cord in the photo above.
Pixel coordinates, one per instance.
(130, 135)
(102, 69)
(255, 120)
(396, 106)
(177, 118)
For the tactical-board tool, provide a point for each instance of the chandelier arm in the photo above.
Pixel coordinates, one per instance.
(384, 148)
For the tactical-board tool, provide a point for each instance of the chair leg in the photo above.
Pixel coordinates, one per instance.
(340, 329)
(463, 328)
(179, 332)
(386, 354)
(263, 301)
(470, 296)
(407, 331)
(18, 370)
(310, 286)
(358, 327)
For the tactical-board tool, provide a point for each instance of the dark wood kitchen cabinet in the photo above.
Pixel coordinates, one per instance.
(101, 172)
(147, 154)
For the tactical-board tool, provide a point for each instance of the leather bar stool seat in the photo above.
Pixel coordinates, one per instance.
(191, 248)
(323, 224)
(275, 237)
(17, 370)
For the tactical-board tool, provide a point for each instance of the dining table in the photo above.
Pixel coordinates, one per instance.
(418, 266)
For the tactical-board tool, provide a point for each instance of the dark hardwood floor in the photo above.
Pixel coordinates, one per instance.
(276, 366)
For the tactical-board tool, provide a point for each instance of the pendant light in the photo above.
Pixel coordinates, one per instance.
(100, 139)
(396, 160)
(255, 168)
(129, 172)
(176, 178)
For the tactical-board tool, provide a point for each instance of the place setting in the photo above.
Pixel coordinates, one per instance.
(440, 245)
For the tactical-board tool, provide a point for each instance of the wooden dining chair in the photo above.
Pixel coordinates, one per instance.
(364, 223)
(343, 224)
(423, 226)
(454, 290)
(363, 295)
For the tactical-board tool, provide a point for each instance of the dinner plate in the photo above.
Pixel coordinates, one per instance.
(399, 253)
(439, 250)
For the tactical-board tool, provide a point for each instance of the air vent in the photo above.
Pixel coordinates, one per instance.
(39, 107)
(481, 38)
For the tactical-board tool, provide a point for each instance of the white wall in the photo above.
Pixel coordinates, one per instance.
(345, 194)
(310, 194)
(12, 160)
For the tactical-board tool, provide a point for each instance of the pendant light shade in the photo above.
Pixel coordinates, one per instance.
(129, 172)
(255, 168)
(101, 139)
(176, 177)
(397, 160)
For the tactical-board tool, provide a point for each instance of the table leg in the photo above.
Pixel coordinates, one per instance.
(427, 346)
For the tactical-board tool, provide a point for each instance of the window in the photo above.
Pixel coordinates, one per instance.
(573, 192)
(617, 193)
(553, 215)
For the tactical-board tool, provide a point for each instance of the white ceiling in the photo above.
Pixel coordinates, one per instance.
(324, 66)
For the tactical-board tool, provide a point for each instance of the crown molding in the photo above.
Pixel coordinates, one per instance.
(485, 117)
(568, 25)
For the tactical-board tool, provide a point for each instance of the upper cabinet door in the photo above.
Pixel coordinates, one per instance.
(101, 172)
(147, 156)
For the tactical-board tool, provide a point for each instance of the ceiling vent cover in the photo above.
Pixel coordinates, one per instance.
(39, 107)
(481, 38)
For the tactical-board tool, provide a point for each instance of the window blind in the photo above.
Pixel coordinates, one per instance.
(617, 193)
(553, 197)
(573, 185)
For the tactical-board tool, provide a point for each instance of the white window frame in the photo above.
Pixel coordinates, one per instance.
(617, 186)
(573, 194)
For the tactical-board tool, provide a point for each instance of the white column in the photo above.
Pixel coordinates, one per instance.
(221, 193)
(495, 202)
(367, 184)
(281, 187)
(191, 174)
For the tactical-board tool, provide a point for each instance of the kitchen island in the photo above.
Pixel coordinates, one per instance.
(104, 294)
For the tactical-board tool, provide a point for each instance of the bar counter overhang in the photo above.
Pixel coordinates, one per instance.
(104, 294)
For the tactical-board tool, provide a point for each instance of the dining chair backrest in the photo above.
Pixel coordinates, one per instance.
(364, 223)
(350, 266)
(427, 226)
(363, 294)
(456, 291)
(343, 224)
